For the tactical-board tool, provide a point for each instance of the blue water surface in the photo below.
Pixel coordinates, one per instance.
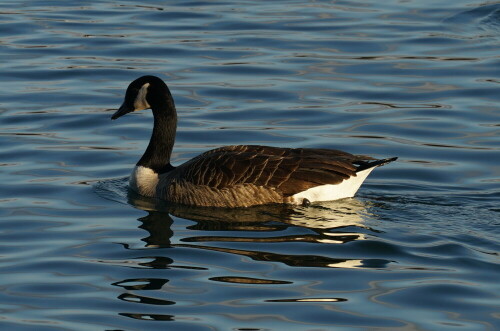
(417, 249)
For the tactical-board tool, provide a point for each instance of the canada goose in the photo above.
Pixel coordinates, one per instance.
(235, 176)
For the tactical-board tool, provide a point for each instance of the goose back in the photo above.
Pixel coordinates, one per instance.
(247, 175)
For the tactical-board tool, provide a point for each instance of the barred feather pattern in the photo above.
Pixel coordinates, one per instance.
(247, 175)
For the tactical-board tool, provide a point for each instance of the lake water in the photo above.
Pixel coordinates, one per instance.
(417, 249)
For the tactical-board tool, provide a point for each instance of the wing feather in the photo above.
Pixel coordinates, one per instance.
(286, 169)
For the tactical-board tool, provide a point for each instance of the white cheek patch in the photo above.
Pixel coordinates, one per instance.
(140, 102)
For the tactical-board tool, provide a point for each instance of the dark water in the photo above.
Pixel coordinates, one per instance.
(417, 249)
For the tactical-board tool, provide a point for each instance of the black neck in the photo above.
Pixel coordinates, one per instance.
(161, 144)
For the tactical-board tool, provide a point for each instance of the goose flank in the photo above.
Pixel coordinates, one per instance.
(235, 176)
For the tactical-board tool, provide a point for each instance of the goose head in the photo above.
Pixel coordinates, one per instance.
(146, 92)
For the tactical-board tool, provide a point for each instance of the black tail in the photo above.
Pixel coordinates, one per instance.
(363, 165)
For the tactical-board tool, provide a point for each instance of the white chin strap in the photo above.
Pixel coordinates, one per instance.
(140, 102)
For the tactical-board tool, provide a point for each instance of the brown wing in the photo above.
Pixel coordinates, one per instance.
(290, 170)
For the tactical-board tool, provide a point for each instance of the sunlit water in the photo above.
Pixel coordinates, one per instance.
(416, 249)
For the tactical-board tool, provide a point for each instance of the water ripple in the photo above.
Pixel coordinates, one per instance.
(416, 249)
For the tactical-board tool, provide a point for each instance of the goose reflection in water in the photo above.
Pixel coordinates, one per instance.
(330, 223)
(337, 222)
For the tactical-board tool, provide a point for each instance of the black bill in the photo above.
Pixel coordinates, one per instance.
(124, 109)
